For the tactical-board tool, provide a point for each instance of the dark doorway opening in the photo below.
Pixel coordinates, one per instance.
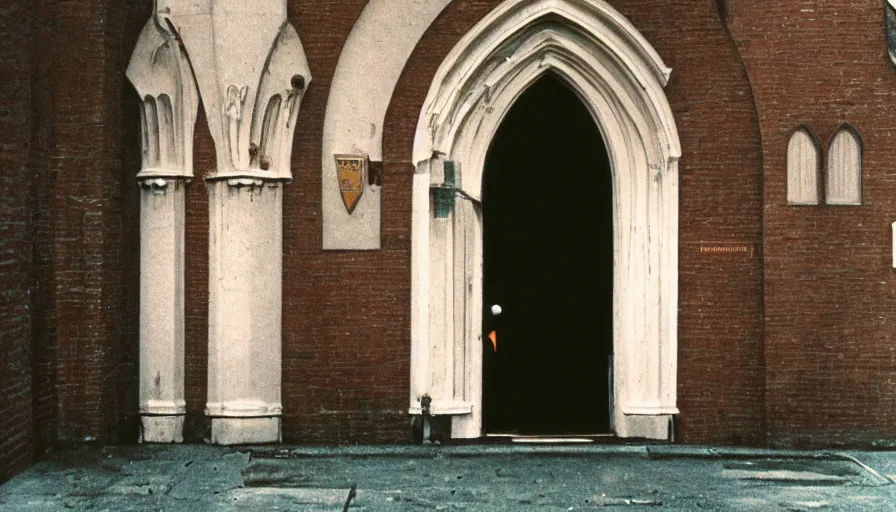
(548, 262)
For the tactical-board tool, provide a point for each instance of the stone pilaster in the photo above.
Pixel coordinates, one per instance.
(245, 299)
(162, 404)
(252, 73)
(160, 72)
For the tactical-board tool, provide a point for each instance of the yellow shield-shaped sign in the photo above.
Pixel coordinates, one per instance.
(351, 172)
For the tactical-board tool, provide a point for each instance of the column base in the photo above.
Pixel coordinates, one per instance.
(231, 431)
(657, 428)
(162, 429)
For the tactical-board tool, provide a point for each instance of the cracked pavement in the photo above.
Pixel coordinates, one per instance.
(471, 477)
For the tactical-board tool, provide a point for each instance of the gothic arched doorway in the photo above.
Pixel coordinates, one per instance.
(547, 214)
(619, 79)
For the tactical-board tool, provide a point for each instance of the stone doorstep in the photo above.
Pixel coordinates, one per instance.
(656, 452)
(652, 452)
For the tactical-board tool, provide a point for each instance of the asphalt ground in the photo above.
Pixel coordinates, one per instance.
(474, 478)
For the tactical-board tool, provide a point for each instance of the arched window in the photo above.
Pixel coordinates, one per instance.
(803, 157)
(844, 169)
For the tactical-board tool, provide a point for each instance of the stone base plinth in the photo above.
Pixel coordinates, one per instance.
(162, 429)
(645, 427)
(231, 431)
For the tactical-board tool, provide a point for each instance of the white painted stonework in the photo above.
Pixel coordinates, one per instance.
(245, 310)
(890, 16)
(844, 170)
(162, 76)
(894, 244)
(367, 73)
(250, 69)
(620, 79)
(803, 160)
(162, 404)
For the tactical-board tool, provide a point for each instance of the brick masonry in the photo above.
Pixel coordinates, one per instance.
(785, 342)
(16, 240)
(829, 348)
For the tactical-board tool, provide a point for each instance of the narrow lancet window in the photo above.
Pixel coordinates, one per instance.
(844, 169)
(802, 168)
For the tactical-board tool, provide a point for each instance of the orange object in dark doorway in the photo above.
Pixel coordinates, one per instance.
(548, 260)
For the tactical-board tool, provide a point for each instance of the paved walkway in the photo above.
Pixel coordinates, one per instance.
(475, 478)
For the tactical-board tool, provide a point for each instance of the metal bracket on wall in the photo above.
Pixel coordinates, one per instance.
(445, 193)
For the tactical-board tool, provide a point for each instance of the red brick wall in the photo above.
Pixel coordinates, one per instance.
(71, 236)
(830, 289)
(93, 259)
(73, 260)
(346, 315)
(16, 238)
(43, 341)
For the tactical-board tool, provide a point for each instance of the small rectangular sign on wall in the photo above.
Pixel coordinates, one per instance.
(727, 249)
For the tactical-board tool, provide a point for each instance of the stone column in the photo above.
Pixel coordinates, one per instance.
(246, 246)
(252, 73)
(162, 404)
(161, 74)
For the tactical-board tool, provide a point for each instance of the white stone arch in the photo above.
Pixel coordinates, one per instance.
(620, 79)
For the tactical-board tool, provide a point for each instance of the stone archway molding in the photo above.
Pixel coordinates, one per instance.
(620, 78)
(370, 64)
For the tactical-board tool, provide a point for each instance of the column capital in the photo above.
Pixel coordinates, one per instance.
(252, 73)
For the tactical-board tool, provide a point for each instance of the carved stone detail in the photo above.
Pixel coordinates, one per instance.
(161, 73)
(248, 64)
(163, 77)
(252, 74)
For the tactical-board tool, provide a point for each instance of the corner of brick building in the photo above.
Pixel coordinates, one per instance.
(829, 287)
(71, 283)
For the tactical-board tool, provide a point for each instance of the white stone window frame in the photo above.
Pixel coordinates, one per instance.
(829, 196)
(620, 79)
(800, 177)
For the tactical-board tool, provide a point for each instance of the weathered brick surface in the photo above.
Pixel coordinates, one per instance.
(44, 347)
(196, 284)
(16, 235)
(816, 368)
(829, 292)
(69, 368)
(89, 259)
(346, 315)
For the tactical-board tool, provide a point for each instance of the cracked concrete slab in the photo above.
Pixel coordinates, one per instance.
(469, 478)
